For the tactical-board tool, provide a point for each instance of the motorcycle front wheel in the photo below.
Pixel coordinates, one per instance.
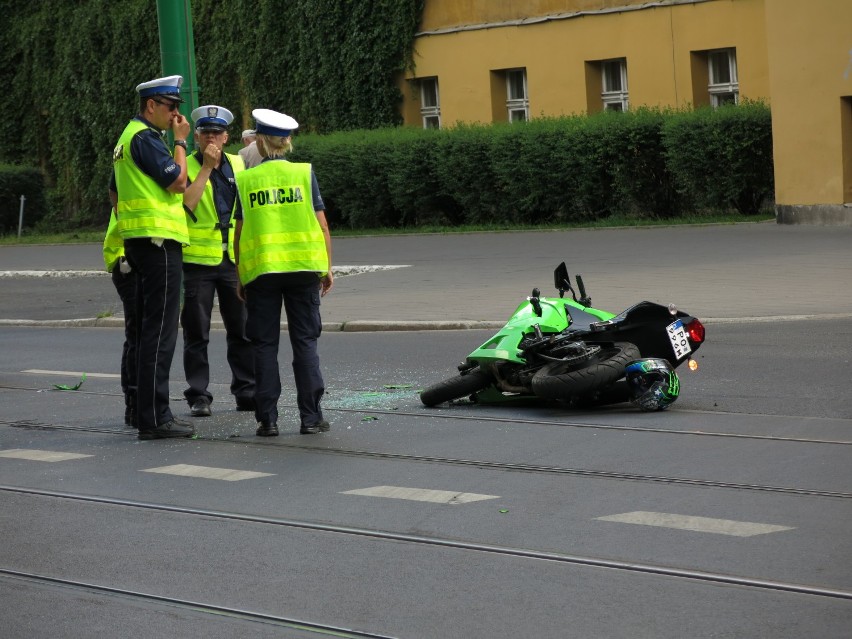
(455, 387)
(554, 382)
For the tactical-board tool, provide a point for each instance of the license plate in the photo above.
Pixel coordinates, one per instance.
(677, 336)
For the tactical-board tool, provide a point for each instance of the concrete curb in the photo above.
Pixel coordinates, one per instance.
(354, 326)
(367, 326)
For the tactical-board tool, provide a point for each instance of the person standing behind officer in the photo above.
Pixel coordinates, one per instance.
(125, 285)
(249, 152)
(146, 193)
(283, 253)
(208, 266)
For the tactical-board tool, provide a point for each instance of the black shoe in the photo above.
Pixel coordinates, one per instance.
(174, 428)
(130, 418)
(313, 429)
(201, 408)
(267, 429)
(245, 403)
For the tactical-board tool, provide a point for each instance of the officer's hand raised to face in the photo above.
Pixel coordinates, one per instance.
(212, 154)
(180, 127)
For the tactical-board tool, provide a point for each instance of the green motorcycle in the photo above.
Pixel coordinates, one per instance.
(561, 348)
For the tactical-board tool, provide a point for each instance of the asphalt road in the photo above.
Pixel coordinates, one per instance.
(750, 442)
(726, 516)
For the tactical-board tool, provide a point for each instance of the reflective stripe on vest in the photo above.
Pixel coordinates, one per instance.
(205, 238)
(145, 209)
(280, 232)
(113, 244)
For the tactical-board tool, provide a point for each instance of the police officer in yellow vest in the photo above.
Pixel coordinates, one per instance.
(208, 264)
(147, 188)
(124, 281)
(283, 253)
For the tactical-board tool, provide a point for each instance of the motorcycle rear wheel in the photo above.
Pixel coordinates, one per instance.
(455, 387)
(552, 383)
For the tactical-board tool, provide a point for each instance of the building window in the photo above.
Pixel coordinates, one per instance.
(724, 87)
(517, 102)
(614, 76)
(430, 104)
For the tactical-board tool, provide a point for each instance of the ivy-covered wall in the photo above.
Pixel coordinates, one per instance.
(69, 70)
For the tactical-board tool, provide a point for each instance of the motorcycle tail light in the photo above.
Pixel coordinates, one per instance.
(695, 330)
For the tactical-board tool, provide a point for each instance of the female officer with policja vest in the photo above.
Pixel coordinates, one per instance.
(283, 252)
(208, 264)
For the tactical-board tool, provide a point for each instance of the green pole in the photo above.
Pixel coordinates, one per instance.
(177, 50)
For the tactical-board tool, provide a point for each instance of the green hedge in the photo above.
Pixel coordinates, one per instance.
(722, 157)
(16, 181)
(645, 163)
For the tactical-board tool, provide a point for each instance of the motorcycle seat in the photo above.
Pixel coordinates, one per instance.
(581, 320)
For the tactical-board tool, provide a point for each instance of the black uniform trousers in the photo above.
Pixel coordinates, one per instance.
(200, 283)
(300, 293)
(158, 274)
(125, 286)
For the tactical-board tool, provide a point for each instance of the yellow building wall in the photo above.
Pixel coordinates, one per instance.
(656, 41)
(794, 54)
(810, 52)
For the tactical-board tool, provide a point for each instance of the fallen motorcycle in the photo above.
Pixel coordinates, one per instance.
(563, 349)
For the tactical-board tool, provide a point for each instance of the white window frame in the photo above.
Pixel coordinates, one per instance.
(723, 89)
(431, 113)
(615, 98)
(517, 107)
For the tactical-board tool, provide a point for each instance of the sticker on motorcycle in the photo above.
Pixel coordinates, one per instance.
(677, 336)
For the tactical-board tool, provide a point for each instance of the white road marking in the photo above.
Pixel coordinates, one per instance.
(54, 273)
(337, 271)
(420, 494)
(40, 455)
(696, 524)
(206, 472)
(38, 371)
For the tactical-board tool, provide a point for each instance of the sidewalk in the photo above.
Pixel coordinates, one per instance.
(718, 273)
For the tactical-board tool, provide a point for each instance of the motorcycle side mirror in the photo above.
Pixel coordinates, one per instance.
(561, 279)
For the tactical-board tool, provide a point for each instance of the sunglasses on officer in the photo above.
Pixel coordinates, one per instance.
(172, 106)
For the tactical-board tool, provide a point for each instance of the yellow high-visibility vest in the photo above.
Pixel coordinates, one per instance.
(280, 232)
(113, 244)
(205, 237)
(145, 209)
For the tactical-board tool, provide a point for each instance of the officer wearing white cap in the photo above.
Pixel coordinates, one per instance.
(146, 191)
(208, 264)
(280, 199)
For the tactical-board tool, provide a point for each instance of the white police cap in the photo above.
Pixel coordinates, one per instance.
(211, 118)
(168, 87)
(247, 133)
(271, 122)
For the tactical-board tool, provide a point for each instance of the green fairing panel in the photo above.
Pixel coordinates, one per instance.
(503, 346)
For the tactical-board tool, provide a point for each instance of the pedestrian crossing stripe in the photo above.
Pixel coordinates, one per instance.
(206, 472)
(420, 494)
(695, 524)
(38, 371)
(40, 455)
